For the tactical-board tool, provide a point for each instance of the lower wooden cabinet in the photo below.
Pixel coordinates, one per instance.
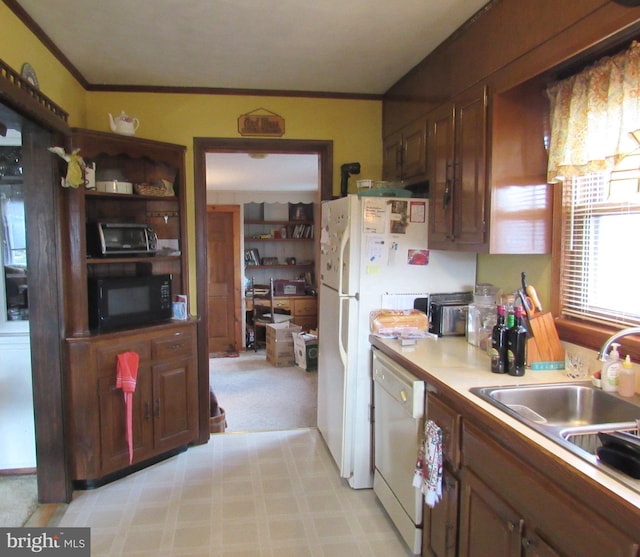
(165, 401)
(440, 528)
(489, 527)
(507, 508)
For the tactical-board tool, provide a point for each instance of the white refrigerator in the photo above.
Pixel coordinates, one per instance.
(372, 250)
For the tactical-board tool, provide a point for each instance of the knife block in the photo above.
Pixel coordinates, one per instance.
(544, 346)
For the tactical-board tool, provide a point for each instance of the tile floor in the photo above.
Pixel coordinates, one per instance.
(263, 494)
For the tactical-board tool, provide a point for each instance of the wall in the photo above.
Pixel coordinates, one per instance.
(353, 126)
(18, 45)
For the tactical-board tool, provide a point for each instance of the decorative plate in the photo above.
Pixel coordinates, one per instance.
(30, 75)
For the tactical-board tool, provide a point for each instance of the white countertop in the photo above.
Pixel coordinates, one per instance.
(461, 366)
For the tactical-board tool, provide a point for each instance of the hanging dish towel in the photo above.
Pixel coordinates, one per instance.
(127, 374)
(428, 473)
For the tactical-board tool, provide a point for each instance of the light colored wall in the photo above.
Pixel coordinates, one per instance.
(504, 271)
(19, 45)
(353, 126)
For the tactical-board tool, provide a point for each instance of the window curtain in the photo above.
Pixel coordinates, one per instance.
(592, 115)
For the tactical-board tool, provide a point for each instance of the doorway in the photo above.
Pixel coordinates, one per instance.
(322, 149)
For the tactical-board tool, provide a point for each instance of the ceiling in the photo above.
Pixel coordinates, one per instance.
(357, 46)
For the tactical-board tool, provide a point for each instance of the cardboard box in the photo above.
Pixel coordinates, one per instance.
(305, 347)
(280, 351)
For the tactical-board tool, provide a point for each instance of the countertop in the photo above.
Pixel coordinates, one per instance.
(454, 364)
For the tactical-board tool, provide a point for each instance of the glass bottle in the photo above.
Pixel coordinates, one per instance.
(517, 344)
(499, 342)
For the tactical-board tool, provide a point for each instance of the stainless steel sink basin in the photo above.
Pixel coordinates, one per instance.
(567, 405)
(570, 414)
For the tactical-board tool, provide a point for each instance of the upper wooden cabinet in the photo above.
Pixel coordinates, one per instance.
(487, 172)
(487, 162)
(405, 154)
(457, 173)
(137, 161)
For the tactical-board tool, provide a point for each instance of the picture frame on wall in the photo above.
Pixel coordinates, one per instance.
(252, 257)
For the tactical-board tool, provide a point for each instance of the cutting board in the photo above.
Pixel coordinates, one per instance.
(545, 344)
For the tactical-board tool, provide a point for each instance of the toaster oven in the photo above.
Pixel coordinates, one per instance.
(448, 318)
(110, 238)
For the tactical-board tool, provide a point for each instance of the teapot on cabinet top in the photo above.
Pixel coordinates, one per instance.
(123, 124)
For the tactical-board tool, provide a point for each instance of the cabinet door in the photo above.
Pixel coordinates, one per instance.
(414, 151)
(392, 157)
(535, 546)
(488, 526)
(440, 531)
(113, 423)
(470, 169)
(449, 422)
(174, 404)
(441, 194)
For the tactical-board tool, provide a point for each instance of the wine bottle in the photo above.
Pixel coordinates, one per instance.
(517, 344)
(499, 343)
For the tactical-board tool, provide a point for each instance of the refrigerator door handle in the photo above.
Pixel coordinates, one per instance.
(343, 247)
(341, 348)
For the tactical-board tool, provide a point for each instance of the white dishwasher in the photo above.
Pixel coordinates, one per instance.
(399, 409)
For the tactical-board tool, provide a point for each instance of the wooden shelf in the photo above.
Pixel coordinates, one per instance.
(143, 259)
(278, 240)
(278, 222)
(297, 265)
(130, 196)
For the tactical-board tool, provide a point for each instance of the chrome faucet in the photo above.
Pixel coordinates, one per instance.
(602, 355)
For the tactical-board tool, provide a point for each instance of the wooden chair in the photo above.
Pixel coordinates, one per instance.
(265, 312)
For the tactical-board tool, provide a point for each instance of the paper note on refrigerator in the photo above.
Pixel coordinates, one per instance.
(376, 253)
(374, 216)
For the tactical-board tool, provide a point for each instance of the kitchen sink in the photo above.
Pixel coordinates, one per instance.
(566, 405)
(570, 414)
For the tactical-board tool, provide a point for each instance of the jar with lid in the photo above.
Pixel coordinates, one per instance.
(481, 316)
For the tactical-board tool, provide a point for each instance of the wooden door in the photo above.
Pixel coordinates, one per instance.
(470, 189)
(113, 423)
(414, 154)
(223, 276)
(440, 160)
(391, 157)
(489, 527)
(174, 404)
(440, 530)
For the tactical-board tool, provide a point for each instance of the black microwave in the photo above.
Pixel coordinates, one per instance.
(120, 302)
(117, 238)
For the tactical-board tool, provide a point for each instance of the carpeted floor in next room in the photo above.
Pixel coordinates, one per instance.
(257, 396)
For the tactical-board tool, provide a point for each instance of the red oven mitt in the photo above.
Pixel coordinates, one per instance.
(127, 373)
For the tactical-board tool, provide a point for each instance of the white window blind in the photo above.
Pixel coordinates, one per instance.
(600, 231)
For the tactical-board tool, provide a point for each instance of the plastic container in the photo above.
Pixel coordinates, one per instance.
(481, 316)
(611, 370)
(627, 379)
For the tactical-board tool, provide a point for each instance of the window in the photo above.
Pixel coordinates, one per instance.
(598, 280)
(594, 156)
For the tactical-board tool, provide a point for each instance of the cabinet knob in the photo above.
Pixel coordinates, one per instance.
(527, 543)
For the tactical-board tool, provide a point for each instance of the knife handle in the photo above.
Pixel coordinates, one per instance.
(531, 292)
